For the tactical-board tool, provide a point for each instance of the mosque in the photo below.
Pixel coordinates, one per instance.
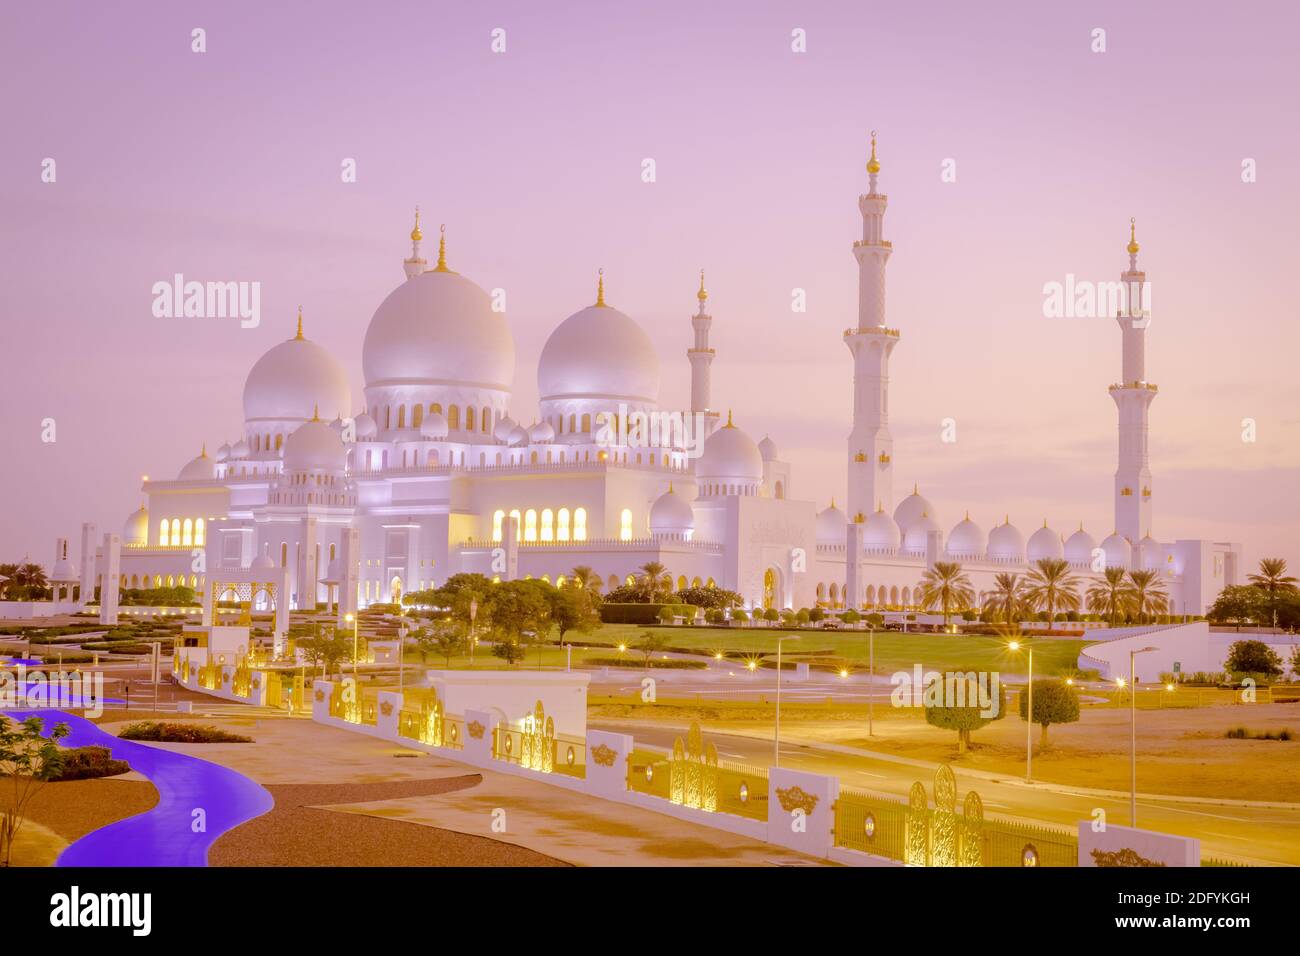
(438, 474)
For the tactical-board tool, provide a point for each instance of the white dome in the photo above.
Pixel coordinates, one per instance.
(1044, 543)
(671, 514)
(1079, 547)
(880, 532)
(223, 452)
(541, 433)
(314, 446)
(63, 572)
(366, 426)
(438, 329)
(1006, 543)
(135, 530)
(911, 508)
(1119, 552)
(967, 538)
(916, 534)
(202, 468)
(332, 573)
(434, 426)
(518, 436)
(504, 427)
(831, 524)
(263, 561)
(730, 455)
(295, 380)
(767, 448)
(599, 352)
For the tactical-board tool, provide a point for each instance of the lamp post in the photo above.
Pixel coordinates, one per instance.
(1029, 713)
(401, 646)
(776, 743)
(1133, 735)
(871, 683)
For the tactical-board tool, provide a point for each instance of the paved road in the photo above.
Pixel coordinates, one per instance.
(165, 835)
(1262, 836)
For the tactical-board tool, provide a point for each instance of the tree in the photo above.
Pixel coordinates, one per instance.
(654, 582)
(515, 607)
(1239, 604)
(327, 647)
(1273, 580)
(445, 638)
(1055, 702)
(816, 615)
(650, 644)
(508, 651)
(28, 758)
(947, 586)
(771, 614)
(875, 621)
(709, 596)
(964, 720)
(1253, 657)
(1007, 597)
(585, 579)
(1112, 596)
(1295, 662)
(1051, 585)
(573, 610)
(1149, 595)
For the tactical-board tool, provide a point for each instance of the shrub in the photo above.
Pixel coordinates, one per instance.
(622, 613)
(1253, 657)
(1055, 702)
(88, 763)
(164, 732)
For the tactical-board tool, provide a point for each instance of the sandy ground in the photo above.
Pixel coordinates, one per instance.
(63, 812)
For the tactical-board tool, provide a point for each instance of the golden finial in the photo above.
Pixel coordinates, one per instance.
(703, 293)
(299, 335)
(670, 487)
(315, 412)
(1080, 525)
(600, 289)
(880, 505)
(416, 234)
(832, 501)
(873, 164)
(916, 488)
(968, 514)
(729, 424)
(442, 250)
(204, 452)
(1133, 246)
(1044, 522)
(1006, 519)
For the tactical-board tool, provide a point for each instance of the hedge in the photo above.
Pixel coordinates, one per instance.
(644, 614)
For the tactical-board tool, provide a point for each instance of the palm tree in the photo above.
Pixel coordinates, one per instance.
(1149, 596)
(1112, 596)
(1272, 579)
(1052, 585)
(1007, 597)
(946, 585)
(655, 581)
(7, 574)
(584, 577)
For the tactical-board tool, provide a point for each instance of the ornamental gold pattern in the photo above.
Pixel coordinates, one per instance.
(604, 756)
(917, 852)
(796, 798)
(475, 729)
(537, 741)
(693, 772)
(972, 831)
(943, 821)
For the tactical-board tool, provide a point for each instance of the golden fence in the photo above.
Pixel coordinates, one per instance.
(871, 824)
(742, 790)
(570, 756)
(1009, 843)
(649, 772)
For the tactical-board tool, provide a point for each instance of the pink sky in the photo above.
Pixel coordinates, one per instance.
(226, 166)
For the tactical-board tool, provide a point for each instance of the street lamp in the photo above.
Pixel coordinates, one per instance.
(1029, 712)
(1133, 735)
(776, 743)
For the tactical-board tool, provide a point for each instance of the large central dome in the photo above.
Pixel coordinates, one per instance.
(599, 352)
(438, 329)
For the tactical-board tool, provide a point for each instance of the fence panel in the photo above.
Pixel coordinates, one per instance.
(871, 824)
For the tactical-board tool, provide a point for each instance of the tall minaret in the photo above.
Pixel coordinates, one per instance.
(701, 358)
(871, 447)
(415, 265)
(1133, 396)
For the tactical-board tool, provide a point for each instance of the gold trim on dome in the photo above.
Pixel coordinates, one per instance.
(873, 164)
(1133, 246)
(298, 337)
(703, 294)
(416, 234)
(600, 289)
(604, 756)
(796, 798)
(442, 250)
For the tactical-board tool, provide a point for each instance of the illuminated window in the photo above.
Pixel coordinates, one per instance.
(630, 581)
(579, 524)
(485, 420)
(453, 417)
(157, 580)
(681, 583)
(284, 554)
(469, 418)
(562, 531)
(546, 578)
(331, 552)
(279, 440)
(548, 525)
(163, 536)
(586, 423)
(530, 525)
(187, 533)
(401, 416)
(519, 527)
(435, 407)
(560, 581)
(417, 416)
(171, 580)
(497, 517)
(625, 525)
(200, 533)
(176, 531)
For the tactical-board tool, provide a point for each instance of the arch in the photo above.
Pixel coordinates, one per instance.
(835, 595)
(780, 489)
(469, 418)
(711, 583)
(562, 525)
(417, 415)
(561, 580)
(453, 417)
(200, 532)
(498, 517)
(401, 416)
(871, 595)
(485, 420)
(176, 531)
(546, 579)
(613, 581)
(772, 596)
(907, 597)
(681, 582)
(187, 532)
(821, 591)
(519, 524)
(395, 589)
(586, 423)
(157, 580)
(284, 554)
(630, 580)
(893, 595)
(579, 524)
(625, 525)
(548, 524)
(695, 581)
(164, 537)
(530, 525)
(388, 416)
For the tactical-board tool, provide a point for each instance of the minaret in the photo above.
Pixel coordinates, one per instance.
(416, 264)
(1133, 396)
(701, 358)
(871, 446)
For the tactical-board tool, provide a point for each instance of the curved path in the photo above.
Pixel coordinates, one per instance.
(164, 835)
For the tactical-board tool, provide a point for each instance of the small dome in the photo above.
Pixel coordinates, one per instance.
(518, 436)
(880, 532)
(599, 352)
(831, 524)
(767, 448)
(917, 533)
(1152, 553)
(911, 508)
(434, 427)
(239, 449)
(1119, 552)
(63, 572)
(263, 561)
(1079, 547)
(366, 426)
(135, 530)
(504, 427)
(332, 573)
(730, 455)
(314, 446)
(672, 514)
(202, 468)
(967, 539)
(541, 433)
(1044, 543)
(292, 379)
(1006, 543)
(223, 452)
